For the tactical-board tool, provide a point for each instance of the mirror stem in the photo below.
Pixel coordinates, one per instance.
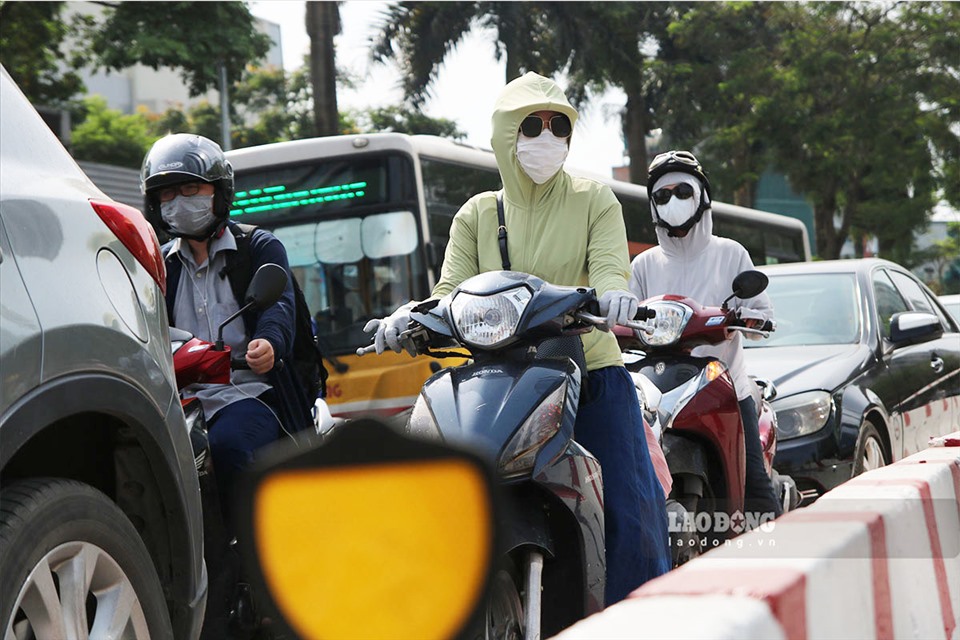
(218, 346)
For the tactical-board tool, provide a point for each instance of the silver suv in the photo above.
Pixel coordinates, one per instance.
(100, 517)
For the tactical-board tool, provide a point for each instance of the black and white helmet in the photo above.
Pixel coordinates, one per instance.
(185, 157)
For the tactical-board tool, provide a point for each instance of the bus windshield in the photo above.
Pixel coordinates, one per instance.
(351, 233)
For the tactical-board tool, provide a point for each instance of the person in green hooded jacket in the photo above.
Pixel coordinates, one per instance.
(567, 231)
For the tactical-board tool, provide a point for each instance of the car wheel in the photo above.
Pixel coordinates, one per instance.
(869, 453)
(73, 566)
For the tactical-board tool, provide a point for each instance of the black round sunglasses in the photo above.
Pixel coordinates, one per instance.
(682, 191)
(559, 125)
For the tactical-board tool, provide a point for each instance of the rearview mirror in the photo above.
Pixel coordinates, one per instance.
(913, 326)
(749, 284)
(370, 534)
(267, 286)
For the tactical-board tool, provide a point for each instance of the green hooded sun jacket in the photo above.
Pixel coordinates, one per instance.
(567, 231)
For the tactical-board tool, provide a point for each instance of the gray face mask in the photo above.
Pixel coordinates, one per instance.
(189, 215)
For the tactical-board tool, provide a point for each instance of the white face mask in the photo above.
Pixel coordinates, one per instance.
(543, 156)
(676, 212)
(189, 215)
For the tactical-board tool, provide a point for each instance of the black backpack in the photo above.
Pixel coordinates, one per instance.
(307, 360)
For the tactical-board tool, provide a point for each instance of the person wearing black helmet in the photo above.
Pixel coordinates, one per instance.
(693, 262)
(187, 184)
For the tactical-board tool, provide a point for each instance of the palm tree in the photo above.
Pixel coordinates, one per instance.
(419, 35)
(597, 45)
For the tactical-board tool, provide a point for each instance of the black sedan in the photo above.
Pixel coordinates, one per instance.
(866, 364)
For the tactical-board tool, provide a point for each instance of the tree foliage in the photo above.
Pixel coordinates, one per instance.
(194, 37)
(108, 136)
(32, 36)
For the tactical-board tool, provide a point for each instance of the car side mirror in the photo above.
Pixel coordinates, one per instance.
(370, 534)
(266, 286)
(914, 326)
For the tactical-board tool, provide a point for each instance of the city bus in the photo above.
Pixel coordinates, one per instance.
(366, 218)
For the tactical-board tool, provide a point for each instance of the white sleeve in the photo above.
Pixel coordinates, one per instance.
(757, 308)
(636, 284)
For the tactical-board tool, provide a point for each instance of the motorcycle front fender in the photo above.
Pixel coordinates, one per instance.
(686, 457)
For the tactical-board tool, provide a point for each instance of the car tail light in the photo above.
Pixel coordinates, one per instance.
(136, 234)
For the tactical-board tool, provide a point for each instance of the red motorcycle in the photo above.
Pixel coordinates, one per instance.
(198, 361)
(691, 404)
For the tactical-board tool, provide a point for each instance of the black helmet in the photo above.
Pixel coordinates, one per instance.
(185, 157)
(685, 162)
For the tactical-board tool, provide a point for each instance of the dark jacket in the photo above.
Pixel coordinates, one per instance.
(276, 323)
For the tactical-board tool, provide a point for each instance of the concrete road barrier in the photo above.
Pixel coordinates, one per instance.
(877, 557)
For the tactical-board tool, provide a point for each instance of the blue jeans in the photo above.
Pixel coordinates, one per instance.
(758, 494)
(236, 432)
(610, 426)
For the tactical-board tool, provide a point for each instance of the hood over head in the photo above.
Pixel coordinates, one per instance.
(518, 99)
(699, 234)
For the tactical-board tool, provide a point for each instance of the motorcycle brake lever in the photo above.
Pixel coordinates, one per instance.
(759, 332)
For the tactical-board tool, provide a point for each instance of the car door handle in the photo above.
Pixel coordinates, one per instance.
(936, 363)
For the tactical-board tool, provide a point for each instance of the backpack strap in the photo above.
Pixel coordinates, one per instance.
(239, 266)
(502, 232)
(174, 268)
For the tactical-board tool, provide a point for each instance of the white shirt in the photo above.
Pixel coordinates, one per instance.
(702, 266)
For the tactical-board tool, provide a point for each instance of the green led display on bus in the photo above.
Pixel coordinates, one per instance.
(277, 197)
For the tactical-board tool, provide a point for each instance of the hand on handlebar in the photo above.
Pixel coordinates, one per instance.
(260, 356)
(619, 307)
(388, 331)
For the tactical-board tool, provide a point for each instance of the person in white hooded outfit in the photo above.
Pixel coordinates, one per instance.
(692, 262)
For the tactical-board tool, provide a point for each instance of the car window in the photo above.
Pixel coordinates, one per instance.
(813, 308)
(917, 297)
(889, 300)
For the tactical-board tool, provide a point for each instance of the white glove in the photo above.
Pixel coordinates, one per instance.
(388, 331)
(619, 307)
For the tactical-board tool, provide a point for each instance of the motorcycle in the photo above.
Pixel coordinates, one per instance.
(516, 403)
(199, 361)
(691, 404)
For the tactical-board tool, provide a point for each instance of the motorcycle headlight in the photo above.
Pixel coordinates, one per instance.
(668, 324)
(487, 321)
(422, 424)
(521, 452)
(802, 414)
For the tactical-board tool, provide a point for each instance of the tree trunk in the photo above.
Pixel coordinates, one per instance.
(828, 243)
(635, 130)
(323, 23)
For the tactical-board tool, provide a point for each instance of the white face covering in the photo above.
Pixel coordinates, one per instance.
(543, 156)
(676, 212)
(188, 215)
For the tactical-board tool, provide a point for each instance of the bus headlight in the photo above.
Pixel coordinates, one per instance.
(669, 323)
(521, 452)
(488, 321)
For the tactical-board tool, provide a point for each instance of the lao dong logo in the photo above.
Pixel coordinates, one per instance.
(720, 522)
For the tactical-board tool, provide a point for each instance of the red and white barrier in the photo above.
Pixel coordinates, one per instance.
(877, 557)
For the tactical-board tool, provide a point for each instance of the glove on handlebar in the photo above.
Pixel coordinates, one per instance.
(388, 331)
(618, 306)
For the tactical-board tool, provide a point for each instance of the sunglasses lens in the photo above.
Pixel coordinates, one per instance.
(682, 191)
(531, 126)
(560, 126)
(662, 196)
